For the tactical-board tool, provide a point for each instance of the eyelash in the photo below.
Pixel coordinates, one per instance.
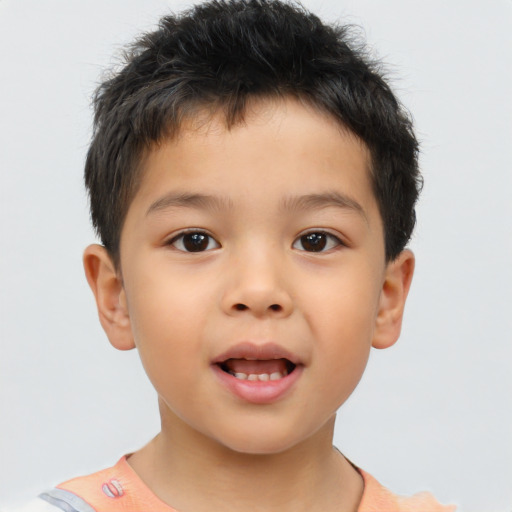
(325, 241)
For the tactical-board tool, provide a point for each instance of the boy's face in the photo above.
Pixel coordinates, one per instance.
(254, 280)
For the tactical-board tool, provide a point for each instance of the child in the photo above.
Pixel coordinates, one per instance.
(253, 181)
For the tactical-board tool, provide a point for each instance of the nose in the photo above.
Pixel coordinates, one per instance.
(257, 286)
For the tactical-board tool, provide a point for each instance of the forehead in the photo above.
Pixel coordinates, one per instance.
(265, 122)
(280, 148)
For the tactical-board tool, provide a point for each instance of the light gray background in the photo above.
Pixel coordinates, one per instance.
(434, 412)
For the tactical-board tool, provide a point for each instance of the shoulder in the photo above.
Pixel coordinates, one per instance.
(82, 494)
(55, 500)
(116, 489)
(36, 505)
(377, 498)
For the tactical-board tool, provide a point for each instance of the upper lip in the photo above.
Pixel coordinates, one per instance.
(254, 351)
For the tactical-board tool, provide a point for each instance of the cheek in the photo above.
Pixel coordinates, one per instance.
(343, 353)
(342, 319)
(343, 307)
(167, 318)
(163, 300)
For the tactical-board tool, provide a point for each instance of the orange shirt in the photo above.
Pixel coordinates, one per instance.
(119, 489)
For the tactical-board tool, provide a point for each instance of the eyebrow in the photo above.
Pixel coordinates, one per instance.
(292, 203)
(324, 200)
(186, 200)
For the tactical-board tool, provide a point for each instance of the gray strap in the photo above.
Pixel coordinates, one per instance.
(66, 501)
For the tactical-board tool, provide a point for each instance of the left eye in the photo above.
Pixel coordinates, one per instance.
(317, 241)
(194, 241)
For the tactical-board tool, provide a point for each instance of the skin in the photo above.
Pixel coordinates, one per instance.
(270, 181)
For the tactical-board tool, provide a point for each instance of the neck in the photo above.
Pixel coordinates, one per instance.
(193, 473)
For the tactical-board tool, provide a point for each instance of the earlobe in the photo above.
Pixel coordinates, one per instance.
(108, 290)
(397, 281)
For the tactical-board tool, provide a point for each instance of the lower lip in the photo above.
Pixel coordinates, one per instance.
(259, 392)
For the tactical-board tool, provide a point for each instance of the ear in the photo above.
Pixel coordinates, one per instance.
(397, 281)
(107, 286)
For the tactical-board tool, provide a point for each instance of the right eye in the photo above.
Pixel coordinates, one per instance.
(194, 241)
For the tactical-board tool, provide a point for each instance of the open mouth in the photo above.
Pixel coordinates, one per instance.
(257, 369)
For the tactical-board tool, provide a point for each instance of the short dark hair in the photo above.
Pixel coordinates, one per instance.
(221, 54)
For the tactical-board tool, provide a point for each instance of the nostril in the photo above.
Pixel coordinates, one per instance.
(243, 307)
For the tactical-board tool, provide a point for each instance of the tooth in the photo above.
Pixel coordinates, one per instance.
(252, 376)
(242, 376)
(276, 376)
(263, 376)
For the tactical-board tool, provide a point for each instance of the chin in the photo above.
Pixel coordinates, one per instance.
(261, 441)
(261, 446)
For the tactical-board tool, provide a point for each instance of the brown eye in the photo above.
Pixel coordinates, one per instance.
(316, 242)
(196, 241)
